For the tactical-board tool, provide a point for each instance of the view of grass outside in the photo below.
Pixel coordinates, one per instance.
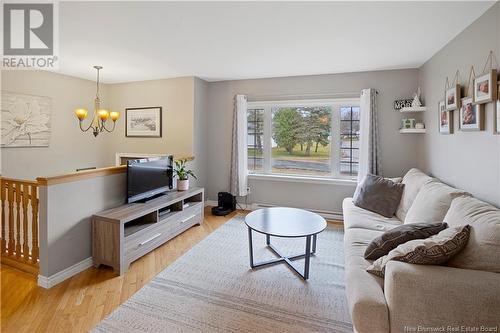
(300, 142)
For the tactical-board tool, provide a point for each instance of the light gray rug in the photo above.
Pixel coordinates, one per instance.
(212, 289)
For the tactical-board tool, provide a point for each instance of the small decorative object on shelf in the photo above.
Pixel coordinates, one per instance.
(402, 103)
(183, 174)
(419, 126)
(416, 99)
(407, 123)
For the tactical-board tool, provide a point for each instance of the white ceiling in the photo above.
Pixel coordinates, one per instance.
(236, 40)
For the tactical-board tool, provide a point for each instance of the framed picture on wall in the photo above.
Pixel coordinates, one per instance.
(471, 115)
(452, 98)
(143, 122)
(445, 120)
(485, 87)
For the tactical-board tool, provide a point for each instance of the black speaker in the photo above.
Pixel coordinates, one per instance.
(226, 204)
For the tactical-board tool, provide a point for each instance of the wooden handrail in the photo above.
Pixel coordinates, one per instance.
(86, 174)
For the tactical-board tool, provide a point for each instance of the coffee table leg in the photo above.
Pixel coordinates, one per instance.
(250, 246)
(314, 244)
(268, 239)
(307, 258)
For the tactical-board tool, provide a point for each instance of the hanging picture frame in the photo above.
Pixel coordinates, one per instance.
(496, 112)
(143, 122)
(471, 117)
(485, 87)
(445, 119)
(452, 98)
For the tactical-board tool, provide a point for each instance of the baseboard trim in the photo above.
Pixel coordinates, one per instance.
(48, 282)
(329, 215)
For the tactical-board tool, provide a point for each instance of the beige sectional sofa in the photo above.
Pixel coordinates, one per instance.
(419, 297)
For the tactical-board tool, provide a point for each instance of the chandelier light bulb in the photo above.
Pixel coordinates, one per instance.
(103, 114)
(114, 115)
(81, 114)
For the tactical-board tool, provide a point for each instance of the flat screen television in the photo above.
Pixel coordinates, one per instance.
(148, 178)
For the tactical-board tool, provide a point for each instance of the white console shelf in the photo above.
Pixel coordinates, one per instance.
(126, 233)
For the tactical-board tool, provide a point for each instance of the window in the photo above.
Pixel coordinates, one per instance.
(304, 138)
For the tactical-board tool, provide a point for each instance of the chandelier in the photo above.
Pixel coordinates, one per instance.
(98, 123)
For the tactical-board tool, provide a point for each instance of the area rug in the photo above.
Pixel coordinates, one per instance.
(211, 288)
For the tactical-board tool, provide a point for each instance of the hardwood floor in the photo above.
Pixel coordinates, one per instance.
(79, 303)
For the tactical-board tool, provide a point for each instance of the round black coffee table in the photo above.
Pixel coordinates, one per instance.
(288, 223)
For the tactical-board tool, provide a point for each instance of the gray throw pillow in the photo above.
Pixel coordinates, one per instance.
(379, 195)
(391, 239)
(435, 250)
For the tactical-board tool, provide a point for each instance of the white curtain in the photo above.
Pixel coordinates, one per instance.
(369, 150)
(239, 169)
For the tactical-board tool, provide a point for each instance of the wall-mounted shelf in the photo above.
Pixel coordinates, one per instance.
(413, 109)
(412, 130)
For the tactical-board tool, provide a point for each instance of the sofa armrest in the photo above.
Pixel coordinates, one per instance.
(440, 296)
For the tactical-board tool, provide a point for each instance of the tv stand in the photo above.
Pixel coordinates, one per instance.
(123, 234)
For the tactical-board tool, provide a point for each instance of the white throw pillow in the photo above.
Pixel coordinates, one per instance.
(413, 180)
(432, 202)
(483, 249)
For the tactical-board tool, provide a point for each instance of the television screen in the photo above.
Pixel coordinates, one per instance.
(147, 178)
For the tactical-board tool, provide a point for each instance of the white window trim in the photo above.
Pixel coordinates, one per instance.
(335, 176)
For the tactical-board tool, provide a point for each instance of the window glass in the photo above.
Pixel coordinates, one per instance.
(300, 142)
(255, 139)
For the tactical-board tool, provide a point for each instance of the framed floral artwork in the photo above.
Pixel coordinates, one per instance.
(25, 120)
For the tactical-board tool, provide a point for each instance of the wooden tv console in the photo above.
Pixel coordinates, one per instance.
(126, 233)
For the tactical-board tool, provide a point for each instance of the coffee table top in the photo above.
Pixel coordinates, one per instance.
(285, 222)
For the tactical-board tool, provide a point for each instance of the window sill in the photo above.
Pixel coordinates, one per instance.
(302, 179)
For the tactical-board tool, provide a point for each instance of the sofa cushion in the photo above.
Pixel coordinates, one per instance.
(413, 180)
(356, 217)
(378, 195)
(482, 252)
(365, 294)
(434, 250)
(389, 240)
(432, 202)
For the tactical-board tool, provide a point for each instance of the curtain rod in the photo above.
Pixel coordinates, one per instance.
(345, 94)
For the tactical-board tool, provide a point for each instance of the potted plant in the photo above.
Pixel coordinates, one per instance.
(183, 174)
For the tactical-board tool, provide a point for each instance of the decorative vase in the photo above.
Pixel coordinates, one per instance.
(182, 185)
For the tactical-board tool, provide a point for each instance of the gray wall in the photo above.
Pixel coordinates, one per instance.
(398, 150)
(69, 148)
(200, 128)
(468, 160)
(175, 96)
(65, 221)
